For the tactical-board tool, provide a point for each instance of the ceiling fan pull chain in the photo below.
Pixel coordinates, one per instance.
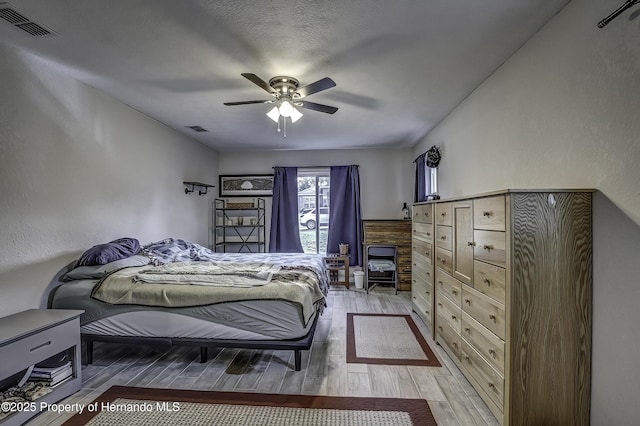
(284, 121)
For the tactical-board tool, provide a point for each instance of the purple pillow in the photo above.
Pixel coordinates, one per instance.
(102, 254)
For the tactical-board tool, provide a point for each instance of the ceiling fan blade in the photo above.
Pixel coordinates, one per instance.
(310, 89)
(258, 82)
(318, 107)
(264, 101)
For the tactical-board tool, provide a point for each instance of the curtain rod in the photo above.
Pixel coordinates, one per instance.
(424, 153)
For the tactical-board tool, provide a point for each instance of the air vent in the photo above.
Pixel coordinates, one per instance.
(197, 129)
(25, 24)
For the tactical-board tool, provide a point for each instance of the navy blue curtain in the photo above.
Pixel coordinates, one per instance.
(420, 189)
(284, 236)
(345, 215)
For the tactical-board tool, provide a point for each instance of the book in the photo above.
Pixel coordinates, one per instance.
(42, 375)
(51, 370)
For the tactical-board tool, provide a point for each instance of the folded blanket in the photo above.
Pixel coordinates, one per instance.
(210, 273)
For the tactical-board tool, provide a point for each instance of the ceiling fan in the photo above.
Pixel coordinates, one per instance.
(286, 95)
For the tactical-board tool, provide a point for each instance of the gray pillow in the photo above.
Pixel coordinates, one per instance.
(95, 272)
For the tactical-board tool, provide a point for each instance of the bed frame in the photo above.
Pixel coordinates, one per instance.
(296, 345)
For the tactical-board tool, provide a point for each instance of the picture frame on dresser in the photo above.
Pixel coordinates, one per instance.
(246, 185)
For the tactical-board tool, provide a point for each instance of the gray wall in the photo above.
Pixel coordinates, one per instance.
(564, 112)
(78, 168)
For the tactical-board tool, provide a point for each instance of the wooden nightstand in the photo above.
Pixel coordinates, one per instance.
(335, 264)
(32, 336)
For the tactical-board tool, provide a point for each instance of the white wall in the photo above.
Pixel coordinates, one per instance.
(78, 168)
(564, 112)
(386, 175)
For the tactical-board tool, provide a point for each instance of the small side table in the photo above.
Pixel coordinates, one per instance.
(336, 263)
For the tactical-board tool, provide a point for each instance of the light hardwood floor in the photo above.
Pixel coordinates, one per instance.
(325, 371)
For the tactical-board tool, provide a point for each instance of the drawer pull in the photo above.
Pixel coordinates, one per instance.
(492, 353)
(492, 317)
(487, 214)
(440, 304)
(455, 345)
(443, 214)
(492, 386)
(471, 243)
(487, 247)
(40, 346)
(444, 237)
(428, 273)
(466, 358)
(428, 234)
(427, 292)
(440, 327)
(454, 292)
(467, 301)
(453, 317)
(443, 260)
(440, 282)
(467, 330)
(487, 281)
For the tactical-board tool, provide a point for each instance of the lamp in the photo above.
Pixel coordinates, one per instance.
(405, 210)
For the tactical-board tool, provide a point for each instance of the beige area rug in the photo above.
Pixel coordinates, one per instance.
(121, 405)
(387, 339)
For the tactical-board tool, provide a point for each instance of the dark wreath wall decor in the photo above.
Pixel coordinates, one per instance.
(433, 157)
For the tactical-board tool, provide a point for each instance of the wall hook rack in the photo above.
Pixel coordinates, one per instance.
(191, 187)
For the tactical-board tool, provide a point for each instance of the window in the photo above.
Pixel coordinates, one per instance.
(313, 209)
(432, 180)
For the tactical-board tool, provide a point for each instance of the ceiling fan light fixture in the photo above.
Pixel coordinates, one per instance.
(286, 109)
(274, 114)
(295, 115)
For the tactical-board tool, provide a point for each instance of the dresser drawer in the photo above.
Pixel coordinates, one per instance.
(450, 287)
(485, 310)
(423, 305)
(490, 247)
(443, 214)
(489, 213)
(449, 311)
(491, 382)
(422, 232)
(490, 280)
(490, 346)
(443, 237)
(422, 248)
(32, 349)
(421, 270)
(448, 335)
(443, 260)
(423, 213)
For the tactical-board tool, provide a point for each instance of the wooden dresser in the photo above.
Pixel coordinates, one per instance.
(513, 276)
(392, 232)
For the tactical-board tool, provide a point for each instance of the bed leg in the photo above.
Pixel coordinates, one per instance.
(298, 359)
(88, 345)
(203, 354)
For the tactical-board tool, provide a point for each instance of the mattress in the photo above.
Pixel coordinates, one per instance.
(251, 319)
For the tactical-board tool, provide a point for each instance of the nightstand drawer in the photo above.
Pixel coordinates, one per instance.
(33, 349)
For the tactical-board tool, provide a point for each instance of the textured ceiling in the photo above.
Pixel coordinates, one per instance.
(400, 65)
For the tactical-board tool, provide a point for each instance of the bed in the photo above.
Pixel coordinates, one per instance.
(179, 293)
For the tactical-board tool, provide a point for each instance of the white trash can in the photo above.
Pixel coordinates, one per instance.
(358, 277)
